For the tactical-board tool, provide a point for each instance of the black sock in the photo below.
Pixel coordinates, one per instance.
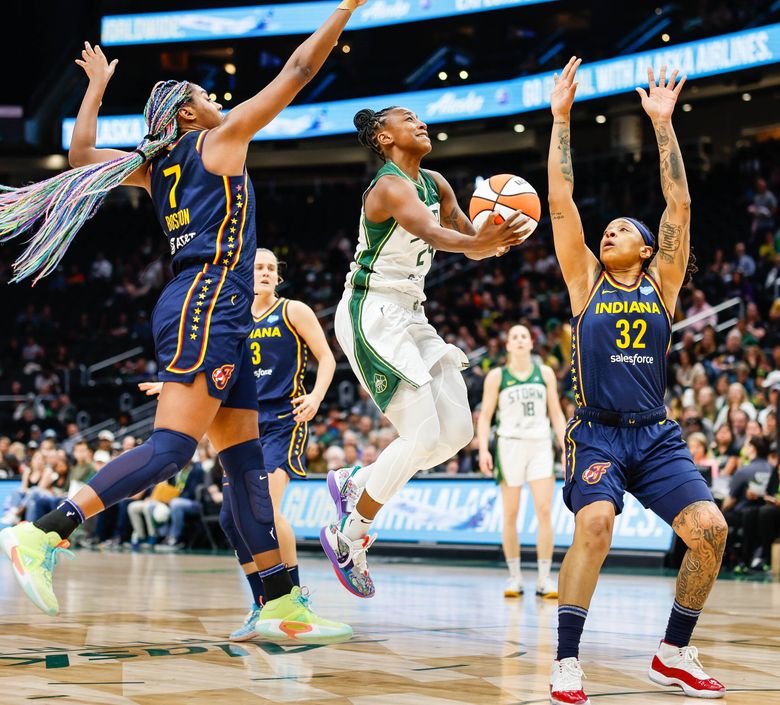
(276, 582)
(293, 571)
(256, 585)
(63, 521)
(682, 622)
(571, 620)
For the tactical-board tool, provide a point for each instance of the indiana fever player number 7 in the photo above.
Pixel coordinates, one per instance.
(620, 439)
(192, 164)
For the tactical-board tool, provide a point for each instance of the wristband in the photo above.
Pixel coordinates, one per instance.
(348, 5)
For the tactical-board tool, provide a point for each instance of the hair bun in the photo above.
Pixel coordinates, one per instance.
(363, 118)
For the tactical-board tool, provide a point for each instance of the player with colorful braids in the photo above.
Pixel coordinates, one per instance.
(284, 332)
(192, 164)
(620, 438)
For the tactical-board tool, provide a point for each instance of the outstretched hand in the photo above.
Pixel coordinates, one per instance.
(659, 101)
(563, 92)
(95, 64)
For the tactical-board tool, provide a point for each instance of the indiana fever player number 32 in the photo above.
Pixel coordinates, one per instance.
(192, 163)
(620, 439)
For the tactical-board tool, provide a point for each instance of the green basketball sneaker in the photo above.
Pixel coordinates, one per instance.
(289, 617)
(34, 554)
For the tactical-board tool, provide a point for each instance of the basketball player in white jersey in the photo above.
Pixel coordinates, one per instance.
(526, 394)
(411, 373)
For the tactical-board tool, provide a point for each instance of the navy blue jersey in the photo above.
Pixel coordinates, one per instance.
(279, 356)
(620, 341)
(208, 219)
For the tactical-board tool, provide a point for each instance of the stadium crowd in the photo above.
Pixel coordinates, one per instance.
(724, 371)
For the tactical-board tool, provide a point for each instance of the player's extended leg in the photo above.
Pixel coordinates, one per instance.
(576, 583)
(510, 501)
(704, 530)
(285, 614)
(184, 412)
(542, 493)
(414, 415)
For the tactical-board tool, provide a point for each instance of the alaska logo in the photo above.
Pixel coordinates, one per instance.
(595, 472)
(380, 383)
(222, 375)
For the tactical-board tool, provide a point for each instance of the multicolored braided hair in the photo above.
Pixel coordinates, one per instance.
(368, 123)
(58, 207)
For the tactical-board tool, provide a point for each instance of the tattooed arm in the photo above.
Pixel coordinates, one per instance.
(578, 264)
(674, 232)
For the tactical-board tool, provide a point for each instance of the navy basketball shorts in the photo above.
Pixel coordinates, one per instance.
(651, 462)
(200, 325)
(284, 443)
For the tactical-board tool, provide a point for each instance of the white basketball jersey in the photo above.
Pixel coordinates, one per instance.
(522, 406)
(388, 258)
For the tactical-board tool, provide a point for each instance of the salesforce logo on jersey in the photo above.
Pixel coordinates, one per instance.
(465, 511)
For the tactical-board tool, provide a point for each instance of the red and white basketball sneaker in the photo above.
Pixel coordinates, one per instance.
(681, 666)
(566, 683)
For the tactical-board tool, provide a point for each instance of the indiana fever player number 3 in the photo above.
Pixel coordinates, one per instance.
(620, 439)
(192, 164)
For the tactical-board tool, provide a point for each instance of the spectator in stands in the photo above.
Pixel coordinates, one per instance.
(83, 469)
(769, 520)
(763, 209)
(737, 398)
(702, 457)
(738, 421)
(724, 450)
(51, 490)
(148, 511)
(189, 480)
(701, 306)
(335, 458)
(772, 281)
(743, 263)
(369, 455)
(746, 492)
(315, 459)
(686, 368)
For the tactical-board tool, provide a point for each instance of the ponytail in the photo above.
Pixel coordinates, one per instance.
(66, 201)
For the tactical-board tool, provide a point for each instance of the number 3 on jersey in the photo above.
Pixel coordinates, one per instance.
(255, 347)
(624, 326)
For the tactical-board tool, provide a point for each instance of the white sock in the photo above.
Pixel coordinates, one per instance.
(514, 568)
(355, 526)
(543, 566)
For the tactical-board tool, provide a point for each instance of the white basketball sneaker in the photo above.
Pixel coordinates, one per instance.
(566, 683)
(547, 588)
(681, 667)
(514, 587)
(348, 559)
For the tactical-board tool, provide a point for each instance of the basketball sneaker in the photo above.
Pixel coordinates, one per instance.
(566, 683)
(342, 490)
(290, 617)
(514, 587)
(247, 630)
(348, 559)
(34, 554)
(681, 667)
(547, 589)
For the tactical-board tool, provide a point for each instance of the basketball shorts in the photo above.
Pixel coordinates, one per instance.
(200, 325)
(521, 460)
(284, 443)
(651, 462)
(387, 339)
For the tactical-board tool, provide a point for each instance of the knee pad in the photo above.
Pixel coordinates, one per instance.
(163, 454)
(243, 464)
(228, 524)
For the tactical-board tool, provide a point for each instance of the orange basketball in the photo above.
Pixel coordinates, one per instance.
(501, 195)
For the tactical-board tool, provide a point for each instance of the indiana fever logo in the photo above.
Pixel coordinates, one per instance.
(595, 472)
(221, 376)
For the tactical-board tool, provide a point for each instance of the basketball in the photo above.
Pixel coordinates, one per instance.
(503, 194)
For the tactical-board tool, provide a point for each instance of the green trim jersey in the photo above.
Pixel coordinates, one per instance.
(388, 258)
(522, 406)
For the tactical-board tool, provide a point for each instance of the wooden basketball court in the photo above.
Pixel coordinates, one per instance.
(151, 630)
